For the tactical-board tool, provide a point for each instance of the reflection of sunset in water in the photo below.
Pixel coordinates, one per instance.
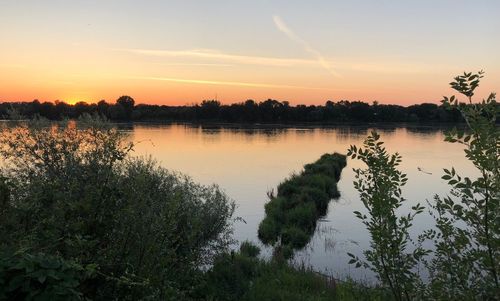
(247, 163)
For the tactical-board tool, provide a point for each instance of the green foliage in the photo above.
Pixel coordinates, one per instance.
(291, 216)
(242, 277)
(230, 277)
(42, 277)
(248, 249)
(303, 215)
(294, 237)
(269, 231)
(350, 290)
(466, 264)
(380, 191)
(73, 190)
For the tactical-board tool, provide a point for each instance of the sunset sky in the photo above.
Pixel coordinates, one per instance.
(181, 52)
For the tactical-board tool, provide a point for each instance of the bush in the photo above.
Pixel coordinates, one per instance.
(380, 186)
(73, 190)
(465, 261)
(238, 277)
(41, 277)
(230, 277)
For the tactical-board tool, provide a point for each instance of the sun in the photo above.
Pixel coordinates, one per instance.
(73, 99)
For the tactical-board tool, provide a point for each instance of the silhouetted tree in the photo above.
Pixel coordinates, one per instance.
(102, 107)
(127, 103)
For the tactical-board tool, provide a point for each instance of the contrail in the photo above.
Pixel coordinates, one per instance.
(280, 24)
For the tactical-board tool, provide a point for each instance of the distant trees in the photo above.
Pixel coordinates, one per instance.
(250, 111)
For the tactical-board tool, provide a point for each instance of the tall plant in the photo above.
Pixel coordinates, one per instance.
(466, 264)
(379, 186)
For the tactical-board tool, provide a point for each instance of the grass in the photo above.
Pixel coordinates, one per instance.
(243, 276)
(292, 214)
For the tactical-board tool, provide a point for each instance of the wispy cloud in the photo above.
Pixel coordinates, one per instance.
(197, 64)
(216, 58)
(281, 25)
(218, 55)
(226, 83)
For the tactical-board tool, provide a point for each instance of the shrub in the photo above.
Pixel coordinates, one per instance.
(75, 191)
(230, 277)
(238, 277)
(42, 277)
(379, 186)
(466, 264)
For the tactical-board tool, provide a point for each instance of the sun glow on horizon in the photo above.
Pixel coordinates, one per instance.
(258, 50)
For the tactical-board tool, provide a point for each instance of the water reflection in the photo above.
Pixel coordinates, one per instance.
(247, 162)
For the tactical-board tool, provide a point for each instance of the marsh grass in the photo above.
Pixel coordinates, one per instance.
(244, 276)
(292, 215)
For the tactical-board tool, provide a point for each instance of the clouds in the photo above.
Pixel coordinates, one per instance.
(226, 83)
(281, 26)
(219, 56)
(210, 54)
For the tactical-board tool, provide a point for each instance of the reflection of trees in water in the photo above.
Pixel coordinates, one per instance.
(304, 131)
(267, 132)
(347, 133)
(426, 130)
(272, 133)
(244, 132)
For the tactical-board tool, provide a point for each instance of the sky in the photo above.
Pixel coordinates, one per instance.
(182, 52)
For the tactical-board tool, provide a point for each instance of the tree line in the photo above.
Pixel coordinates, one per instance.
(250, 111)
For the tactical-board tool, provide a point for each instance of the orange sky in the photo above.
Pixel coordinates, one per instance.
(186, 52)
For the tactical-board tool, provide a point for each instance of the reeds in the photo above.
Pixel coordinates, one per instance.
(292, 214)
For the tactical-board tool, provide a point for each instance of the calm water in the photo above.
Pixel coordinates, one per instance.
(248, 162)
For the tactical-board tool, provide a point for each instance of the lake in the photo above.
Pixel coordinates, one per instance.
(248, 162)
